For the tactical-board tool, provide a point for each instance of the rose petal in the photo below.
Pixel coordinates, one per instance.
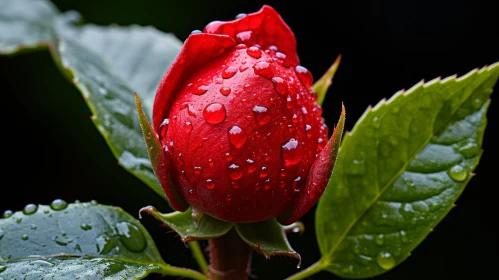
(267, 28)
(318, 177)
(198, 50)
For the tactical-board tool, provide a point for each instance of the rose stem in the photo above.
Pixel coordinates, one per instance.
(230, 257)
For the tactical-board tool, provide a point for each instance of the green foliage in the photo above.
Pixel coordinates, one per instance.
(400, 171)
(80, 239)
(104, 71)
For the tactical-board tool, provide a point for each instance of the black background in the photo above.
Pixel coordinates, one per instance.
(52, 150)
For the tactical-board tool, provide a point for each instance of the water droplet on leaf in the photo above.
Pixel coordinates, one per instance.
(131, 236)
(59, 204)
(458, 173)
(30, 209)
(385, 260)
(85, 226)
(7, 213)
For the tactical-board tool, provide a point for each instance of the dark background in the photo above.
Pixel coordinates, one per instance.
(52, 150)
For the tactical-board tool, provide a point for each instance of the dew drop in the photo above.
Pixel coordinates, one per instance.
(237, 136)
(364, 260)
(282, 185)
(228, 156)
(19, 220)
(320, 144)
(85, 226)
(250, 166)
(33, 227)
(266, 184)
(235, 171)
(78, 247)
(254, 52)
(188, 127)
(131, 236)
(163, 127)
(225, 91)
(297, 184)
(210, 184)
(200, 90)
(304, 75)
(379, 239)
(291, 128)
(292, 152)
(229, 72)
(308, 130)
(280, 85)
(241, 15)
(263, 69)
(245, 37)
(196, 32)
(248, 87)
(283, 172)
(30, 209)
(469, 149)
(262, 114)
(210, 162)
(289, 102)
(60, 204)
(241, 46)
(403, 236)
(197, 170)
(280, 55)
(214, 113)
(7, 213)
(243, 68)
(294, 119)
(458, 173)
(228, 198)
(192, 195)
(104, 244)
(24, 237)
(257, 186)
(264, 172)
(385, 260)
(235, 185)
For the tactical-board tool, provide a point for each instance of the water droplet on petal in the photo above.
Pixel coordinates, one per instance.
(262, 114)
(192, 195)
(458, 173)
(304, 75)
(245, 37)
(280, 85)
(131, 236)
(30, 209)
(254, 52)
(210, 162)
(248, 87)
(295, 119)
(235, 185)
(263, 69)
(289, 102)
(200, 90)
(241, 15)
(292, 152)
(196, 32)
(214, 113)
(266, 156)
(282, 185)
(210, 184)
(273, 48)
(235, 171)
(225, 91)
(188, 127)
(308, 130)
(257, 186)
(58, 204)
(266, 184)
(250, 166)
(237, 136)
(197, 170)
(243, 68)
(228, 156)
(241, 46)
(163, 127)
(320, 144)
(385, 260)
(283, 172)
(264, 172)
(229, 72)
(297, 184)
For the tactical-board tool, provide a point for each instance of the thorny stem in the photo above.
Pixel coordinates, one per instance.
(230, 257)
(198, 256)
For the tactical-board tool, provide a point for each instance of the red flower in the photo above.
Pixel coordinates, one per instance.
(243, 136)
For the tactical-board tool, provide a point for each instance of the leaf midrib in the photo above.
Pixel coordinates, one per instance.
(328, 259)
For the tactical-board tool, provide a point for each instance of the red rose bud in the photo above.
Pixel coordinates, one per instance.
(242, 134)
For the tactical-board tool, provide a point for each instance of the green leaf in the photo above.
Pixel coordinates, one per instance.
(400, 171)
(80, 239)
(189, 229)
(267, 238)
(323, 84)
(52, 268)
(106, 64)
